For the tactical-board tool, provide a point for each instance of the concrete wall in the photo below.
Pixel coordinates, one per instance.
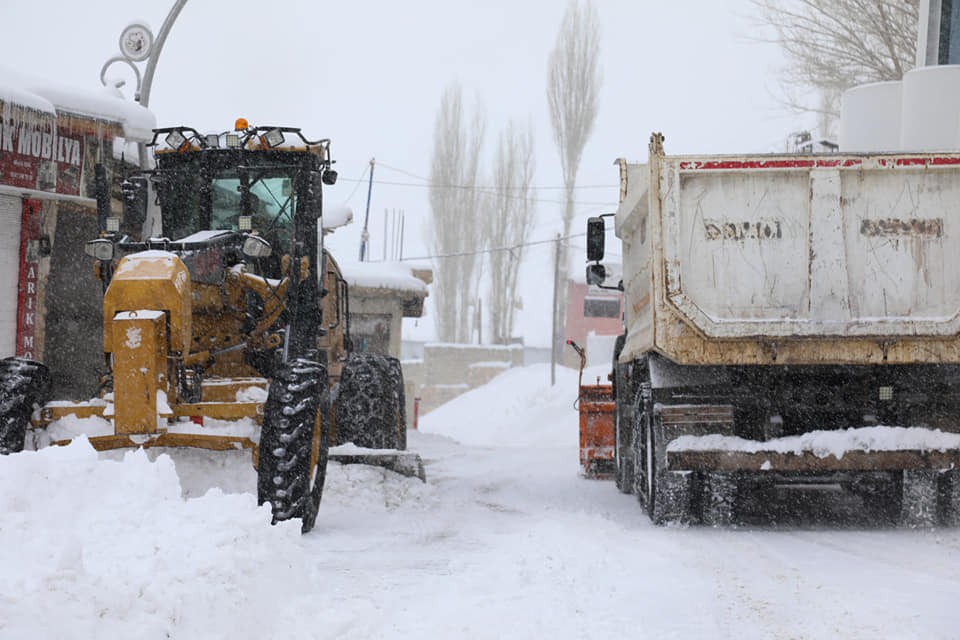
(448, 370)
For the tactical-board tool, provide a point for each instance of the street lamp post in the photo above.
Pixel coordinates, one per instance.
(137, 44)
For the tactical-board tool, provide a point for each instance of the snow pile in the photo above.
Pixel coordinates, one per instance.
(116, 552)
(828, 443)
(518, 408)
(242, 428)
(499, 541)
(70, 427)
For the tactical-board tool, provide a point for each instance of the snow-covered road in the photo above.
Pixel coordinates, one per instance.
(504, 540)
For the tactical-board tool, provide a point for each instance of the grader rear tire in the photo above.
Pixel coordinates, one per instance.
(369, 406)
(23, 384)
(668, 494)
(396, 385)
(293, 443)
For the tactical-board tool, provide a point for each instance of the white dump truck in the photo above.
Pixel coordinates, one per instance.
(789, 319)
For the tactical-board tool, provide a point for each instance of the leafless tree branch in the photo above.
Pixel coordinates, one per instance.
(511, 221)
(833, 45)
(455, 213)
(573, 86)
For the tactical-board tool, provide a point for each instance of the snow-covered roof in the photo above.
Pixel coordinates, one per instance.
(396, 276)
(336, 216)
(102, 103)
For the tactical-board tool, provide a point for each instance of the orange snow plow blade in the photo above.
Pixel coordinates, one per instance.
(596, 424)
(596, 430)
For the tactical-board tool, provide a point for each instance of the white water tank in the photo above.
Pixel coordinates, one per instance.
(922, 111)
(870, 117)
(931, 109)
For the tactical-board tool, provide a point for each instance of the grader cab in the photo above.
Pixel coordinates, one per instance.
(226, 322)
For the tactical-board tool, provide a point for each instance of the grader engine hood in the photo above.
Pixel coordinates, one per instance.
(146, 316)
(150, 280)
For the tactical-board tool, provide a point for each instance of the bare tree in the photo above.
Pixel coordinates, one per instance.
(457, 230)
(573, 83)
(510, 223)
(833, 45)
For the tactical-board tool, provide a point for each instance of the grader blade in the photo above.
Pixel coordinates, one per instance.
(405, 463)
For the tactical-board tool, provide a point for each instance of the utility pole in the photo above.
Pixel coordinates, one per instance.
(479, 320)
(553, 315)
(365, 235)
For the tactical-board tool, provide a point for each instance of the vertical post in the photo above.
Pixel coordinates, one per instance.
(479, 320)
(553, 315)
(365, 235)
(386, 218)
(416, 413)
(144, 97)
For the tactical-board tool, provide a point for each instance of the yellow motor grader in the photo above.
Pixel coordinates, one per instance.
(225, 322)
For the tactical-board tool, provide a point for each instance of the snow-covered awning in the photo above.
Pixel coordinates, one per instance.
(101, 103)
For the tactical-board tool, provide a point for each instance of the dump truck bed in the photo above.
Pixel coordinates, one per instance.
(846, 259)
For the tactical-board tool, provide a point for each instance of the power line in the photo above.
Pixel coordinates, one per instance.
(492, 191)
(460, 254)
(357, 186)
(491, 187)
(487, 189)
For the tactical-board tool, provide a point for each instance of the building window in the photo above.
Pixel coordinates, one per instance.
(370, 332)
(601, 307)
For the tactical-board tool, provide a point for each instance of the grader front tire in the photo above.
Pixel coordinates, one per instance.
(293, 443)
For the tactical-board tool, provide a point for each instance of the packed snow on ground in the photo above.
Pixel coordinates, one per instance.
(505, 539)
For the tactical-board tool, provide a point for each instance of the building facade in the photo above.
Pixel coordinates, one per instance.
(51, 139)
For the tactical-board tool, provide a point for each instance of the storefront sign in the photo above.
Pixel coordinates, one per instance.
(29, 279)
(37, 154)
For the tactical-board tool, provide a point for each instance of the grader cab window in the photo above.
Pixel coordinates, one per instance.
(197, 197)
(272, 205)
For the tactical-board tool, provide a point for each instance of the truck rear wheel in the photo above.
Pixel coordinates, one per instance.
(623, 477)
(641, 473)
(668, 494)
(369, 407)
(622, 422)
(292, 458)
(651, 471)
(23, 383)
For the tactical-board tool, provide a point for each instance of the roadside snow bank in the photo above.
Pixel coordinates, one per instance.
(827, 443)
(518, 408)
(116, 552)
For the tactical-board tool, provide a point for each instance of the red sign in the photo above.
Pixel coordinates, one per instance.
(37, 154)
(29, 276)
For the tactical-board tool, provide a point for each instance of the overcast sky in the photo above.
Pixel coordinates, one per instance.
(369, 75)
